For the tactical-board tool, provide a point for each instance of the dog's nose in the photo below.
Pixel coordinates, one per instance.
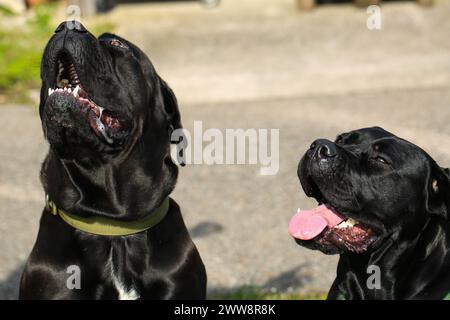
(71, 25)
(324, 148)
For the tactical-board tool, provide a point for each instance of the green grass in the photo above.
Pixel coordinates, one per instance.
(21, 52)
(5, 11)
(252, 293)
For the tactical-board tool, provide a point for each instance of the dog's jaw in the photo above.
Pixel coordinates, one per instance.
(69, 88)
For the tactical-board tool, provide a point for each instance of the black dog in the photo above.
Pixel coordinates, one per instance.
(108, 118)
(384, 207)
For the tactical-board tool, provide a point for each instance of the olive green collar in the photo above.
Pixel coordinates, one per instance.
(110, 227)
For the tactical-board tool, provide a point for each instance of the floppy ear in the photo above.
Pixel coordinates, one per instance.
(439, 191)
(170, 108)
(173, 116)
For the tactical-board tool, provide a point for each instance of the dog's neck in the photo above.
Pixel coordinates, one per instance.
(402, 264)
(125, 190)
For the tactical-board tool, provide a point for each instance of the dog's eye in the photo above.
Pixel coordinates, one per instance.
(117, 43)
(379, 159)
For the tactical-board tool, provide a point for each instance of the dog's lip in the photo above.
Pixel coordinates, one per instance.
(67, 82)
(103, 121)
(353, 227)
(358, 216)
(346, 214)
(313, 191)
(349, 234)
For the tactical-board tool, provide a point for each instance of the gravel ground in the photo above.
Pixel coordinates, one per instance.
(310, 75)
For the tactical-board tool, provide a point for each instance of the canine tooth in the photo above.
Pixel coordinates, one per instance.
(342, 225)
(49, 91)
(75, 91)
(351, 222)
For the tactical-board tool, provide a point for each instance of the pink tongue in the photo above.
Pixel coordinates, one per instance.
(306, 225)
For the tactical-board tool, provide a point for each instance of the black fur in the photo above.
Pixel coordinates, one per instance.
(124, 180)
(398, 190)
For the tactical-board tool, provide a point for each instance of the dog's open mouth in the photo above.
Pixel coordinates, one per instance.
(328, 227)
(102, 121)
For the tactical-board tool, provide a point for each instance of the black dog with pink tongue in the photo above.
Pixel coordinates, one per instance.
(383, 202)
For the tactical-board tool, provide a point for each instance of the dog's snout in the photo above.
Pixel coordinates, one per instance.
(71, 26)
(324, 148)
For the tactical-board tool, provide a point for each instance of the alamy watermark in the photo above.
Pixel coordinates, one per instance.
(73, 13)
(374, 21)
(213, 146)
(210, 3)
(74, 279)
(374, 280)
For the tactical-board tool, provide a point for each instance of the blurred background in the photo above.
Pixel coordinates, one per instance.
(309, 69)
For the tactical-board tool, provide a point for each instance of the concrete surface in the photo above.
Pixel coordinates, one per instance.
(311, 75)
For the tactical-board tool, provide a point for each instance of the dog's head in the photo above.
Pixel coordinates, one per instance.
(100, 96)
(370, 186)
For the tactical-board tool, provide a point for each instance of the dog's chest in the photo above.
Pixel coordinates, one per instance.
(124, 291)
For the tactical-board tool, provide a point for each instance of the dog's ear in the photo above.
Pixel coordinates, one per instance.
(438, 192)
(170, 106)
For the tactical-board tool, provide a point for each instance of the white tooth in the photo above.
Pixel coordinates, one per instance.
(70, 90)
(49, 91)
(298, 210)
(351, 222)
(342, 225)
(65, 89)
(75, 91)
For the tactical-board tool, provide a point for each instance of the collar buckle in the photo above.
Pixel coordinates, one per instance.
(50, 206)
